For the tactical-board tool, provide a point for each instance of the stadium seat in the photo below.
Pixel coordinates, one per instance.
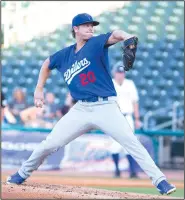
(148, 103)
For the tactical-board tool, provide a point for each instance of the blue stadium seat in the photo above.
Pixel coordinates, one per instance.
(147, 73)
(148, 103)
(168, 74)
(6, 71)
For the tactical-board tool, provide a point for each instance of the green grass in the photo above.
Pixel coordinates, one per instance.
(178, 193)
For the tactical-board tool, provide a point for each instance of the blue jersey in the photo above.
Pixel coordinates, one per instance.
(87, 72)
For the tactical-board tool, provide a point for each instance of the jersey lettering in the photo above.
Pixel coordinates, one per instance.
(76, 68)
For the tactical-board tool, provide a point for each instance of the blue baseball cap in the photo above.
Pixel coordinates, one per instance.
(83, 18)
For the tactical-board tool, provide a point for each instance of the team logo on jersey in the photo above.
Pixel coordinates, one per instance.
(76, 68)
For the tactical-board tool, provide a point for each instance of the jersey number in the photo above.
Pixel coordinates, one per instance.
(87, 78)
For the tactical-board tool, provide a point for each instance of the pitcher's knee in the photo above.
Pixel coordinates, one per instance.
(50, 147)
(128, 141)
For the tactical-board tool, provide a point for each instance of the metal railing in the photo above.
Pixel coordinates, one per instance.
(174, 120)
(174, 114)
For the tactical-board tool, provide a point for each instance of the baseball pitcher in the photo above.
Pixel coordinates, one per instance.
(85, 69)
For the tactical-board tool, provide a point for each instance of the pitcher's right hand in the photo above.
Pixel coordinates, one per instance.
(39, 97)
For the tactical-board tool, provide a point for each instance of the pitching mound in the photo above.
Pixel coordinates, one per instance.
(46, 191)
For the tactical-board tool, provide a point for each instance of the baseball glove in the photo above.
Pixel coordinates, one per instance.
(129, 51)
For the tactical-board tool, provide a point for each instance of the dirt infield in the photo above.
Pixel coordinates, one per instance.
(52, 185)
(46, 191)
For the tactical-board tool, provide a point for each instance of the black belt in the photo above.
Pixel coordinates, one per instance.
(95, 99)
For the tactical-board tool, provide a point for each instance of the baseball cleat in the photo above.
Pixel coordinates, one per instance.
(117, 174)
(165, 188)
(134, 175)
(15, 179)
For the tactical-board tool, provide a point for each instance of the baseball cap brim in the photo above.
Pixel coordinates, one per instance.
(95, 23)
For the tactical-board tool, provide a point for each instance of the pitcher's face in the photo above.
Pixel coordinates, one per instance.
(84, 31)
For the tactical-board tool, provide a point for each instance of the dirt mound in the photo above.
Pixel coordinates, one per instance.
(46, 191)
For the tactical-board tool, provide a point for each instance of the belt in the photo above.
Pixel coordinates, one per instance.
(125, 114)
(95, 99)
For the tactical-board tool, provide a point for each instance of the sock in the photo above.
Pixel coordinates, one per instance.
(115, 158)
(132, 165)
